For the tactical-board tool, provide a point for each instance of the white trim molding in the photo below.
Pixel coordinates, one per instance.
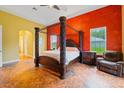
(97, 28)
(1, 57)
(11, 61)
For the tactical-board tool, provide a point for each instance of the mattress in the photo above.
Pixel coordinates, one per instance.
(70, 55)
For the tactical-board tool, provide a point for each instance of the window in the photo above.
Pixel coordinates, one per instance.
(53, 42)
(40, 42)
(98, 40)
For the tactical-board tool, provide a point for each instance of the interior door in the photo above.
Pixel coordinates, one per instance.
(0, 46)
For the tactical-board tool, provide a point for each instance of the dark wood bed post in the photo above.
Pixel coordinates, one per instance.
(62, 46)
(80, 44)
(36, 60)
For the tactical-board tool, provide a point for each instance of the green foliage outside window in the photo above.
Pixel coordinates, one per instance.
(53, 40)
(98, 40)
(53, 45)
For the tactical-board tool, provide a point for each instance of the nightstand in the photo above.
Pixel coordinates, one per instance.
(89, 57)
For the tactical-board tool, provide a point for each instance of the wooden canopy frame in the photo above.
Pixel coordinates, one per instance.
(63, 25)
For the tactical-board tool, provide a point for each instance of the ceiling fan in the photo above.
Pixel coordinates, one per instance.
(56, 7)
(52, 6)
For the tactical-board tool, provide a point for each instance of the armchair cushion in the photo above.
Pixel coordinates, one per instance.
(108, 64)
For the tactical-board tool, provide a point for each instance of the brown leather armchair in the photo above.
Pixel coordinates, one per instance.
(112, 62)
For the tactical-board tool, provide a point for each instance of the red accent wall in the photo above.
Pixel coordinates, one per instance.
(109, 16)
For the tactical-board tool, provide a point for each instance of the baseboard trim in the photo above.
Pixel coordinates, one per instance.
(28, 56)
(32, 56)
(11, 61)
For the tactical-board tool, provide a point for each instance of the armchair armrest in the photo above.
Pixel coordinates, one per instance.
(120, 62)
(99, 58)
(120, 65)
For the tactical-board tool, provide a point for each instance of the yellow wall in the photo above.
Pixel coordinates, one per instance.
(123, 30)
(11, 27)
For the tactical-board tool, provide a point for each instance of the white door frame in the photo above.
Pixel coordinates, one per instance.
(1, 46)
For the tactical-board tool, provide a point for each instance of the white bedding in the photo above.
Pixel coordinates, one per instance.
(70, 55)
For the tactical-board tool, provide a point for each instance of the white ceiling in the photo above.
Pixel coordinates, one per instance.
(45, 15)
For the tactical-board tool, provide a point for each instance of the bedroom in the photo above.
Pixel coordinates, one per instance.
(89, 20)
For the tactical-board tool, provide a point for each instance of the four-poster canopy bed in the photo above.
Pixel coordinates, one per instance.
(61, 59)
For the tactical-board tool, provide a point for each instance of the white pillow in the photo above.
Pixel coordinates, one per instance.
(70, 49)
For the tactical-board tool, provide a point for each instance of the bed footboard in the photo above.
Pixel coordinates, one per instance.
(49, 62)
(54, 65)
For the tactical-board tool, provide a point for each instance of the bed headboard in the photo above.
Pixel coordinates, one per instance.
(71, 43)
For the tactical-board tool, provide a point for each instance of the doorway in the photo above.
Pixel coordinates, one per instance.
(0, 46)
(25, 45)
